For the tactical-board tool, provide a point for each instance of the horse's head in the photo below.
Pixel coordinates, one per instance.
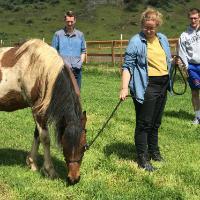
(74, 146)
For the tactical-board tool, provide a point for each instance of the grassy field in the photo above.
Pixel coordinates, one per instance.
(109, 169)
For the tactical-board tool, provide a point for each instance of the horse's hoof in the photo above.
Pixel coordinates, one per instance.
(31, 164)
(51, 173)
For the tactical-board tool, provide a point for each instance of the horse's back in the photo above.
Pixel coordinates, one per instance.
(27, 75)
(3, 49)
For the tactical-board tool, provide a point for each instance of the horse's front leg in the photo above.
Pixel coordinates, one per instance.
(48, 168)
(31, 159)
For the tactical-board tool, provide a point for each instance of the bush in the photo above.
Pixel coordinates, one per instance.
(13, 4)
(17, 8)
(173, 27)
(54, 2)
(29, 21)
(47, 19)
(11, 22)
(3, 36)
(9, 7)
(132, 4)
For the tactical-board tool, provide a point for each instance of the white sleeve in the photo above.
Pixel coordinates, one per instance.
(182, 51)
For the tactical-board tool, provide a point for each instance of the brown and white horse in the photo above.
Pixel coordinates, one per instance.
(33, 75)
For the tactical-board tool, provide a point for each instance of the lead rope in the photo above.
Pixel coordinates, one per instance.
(87, 146)
(104, 125)
(174, 71)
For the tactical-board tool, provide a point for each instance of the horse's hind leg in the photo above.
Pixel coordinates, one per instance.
(48, 168)
(31, 159)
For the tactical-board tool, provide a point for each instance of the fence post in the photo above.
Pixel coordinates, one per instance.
(86, 58)
(113, 53)
(121, 55)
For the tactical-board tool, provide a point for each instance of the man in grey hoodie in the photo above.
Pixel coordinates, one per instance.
(189, 51)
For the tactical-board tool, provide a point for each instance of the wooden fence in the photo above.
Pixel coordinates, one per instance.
(113, 50)
(108, 50)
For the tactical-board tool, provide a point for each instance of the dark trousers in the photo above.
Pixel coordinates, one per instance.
(78, 76)
(149, 114)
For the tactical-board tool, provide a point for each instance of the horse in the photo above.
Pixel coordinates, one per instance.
(34, 75)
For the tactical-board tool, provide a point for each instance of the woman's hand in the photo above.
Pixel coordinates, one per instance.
(123, 93)
(125, 81)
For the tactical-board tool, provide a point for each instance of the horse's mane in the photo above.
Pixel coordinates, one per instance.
(44, 63)
(59, 100)
(65, 108)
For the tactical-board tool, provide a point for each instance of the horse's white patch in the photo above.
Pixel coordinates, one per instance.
(9, 81)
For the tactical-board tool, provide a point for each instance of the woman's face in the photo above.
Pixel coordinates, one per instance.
(149, 27)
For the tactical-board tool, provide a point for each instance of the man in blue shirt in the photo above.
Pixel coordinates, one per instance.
(70, 44)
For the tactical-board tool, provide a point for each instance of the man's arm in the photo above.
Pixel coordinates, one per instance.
(83, 55)
(55, 43)
(83, 49)
(182, 51)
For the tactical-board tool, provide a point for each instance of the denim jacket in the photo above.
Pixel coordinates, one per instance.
(135, 62)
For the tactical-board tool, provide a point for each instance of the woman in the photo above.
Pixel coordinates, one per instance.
(146, 70)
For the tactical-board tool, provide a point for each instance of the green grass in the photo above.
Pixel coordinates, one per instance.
(109, 169)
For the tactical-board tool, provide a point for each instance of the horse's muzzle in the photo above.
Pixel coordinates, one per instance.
(73, 181)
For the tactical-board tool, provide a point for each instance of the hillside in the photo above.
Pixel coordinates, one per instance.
(99, 20)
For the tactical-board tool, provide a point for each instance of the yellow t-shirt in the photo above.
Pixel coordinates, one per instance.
(157, 64)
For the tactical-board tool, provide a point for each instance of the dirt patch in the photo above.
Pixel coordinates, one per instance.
(6, 192)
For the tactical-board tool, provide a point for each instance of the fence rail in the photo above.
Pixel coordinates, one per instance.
(109, 50)
(113, 50)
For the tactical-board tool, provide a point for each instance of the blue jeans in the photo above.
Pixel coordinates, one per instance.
(78, 76)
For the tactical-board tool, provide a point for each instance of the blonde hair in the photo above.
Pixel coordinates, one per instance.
(147, 16)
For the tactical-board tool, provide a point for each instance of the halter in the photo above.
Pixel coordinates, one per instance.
(85, 147)
(76, 161)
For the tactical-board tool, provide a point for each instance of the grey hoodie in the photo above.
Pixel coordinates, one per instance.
(189, 46)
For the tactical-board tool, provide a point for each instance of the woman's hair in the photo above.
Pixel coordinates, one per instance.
(151, 14)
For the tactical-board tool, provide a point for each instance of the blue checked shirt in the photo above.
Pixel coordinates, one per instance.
(70, 47)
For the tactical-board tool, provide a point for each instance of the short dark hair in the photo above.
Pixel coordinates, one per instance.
(70, 14)
(193, 11)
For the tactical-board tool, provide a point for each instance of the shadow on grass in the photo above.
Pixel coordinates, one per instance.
(180, 114)
(122, 150)
(9, 157)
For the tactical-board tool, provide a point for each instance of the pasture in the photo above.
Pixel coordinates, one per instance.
(109, 170)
